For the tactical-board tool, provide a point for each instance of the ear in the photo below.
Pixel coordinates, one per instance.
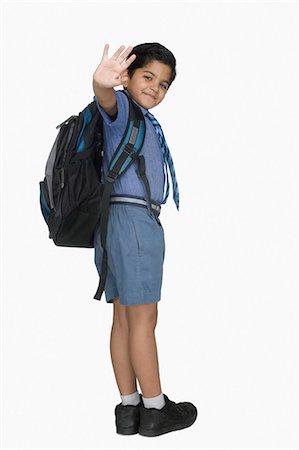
(124, 77)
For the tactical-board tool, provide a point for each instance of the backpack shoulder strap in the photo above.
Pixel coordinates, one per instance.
(131, 143)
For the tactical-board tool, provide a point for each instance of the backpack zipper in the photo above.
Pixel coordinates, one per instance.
(64, 155)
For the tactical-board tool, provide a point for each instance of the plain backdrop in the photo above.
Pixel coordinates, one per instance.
(227, 321)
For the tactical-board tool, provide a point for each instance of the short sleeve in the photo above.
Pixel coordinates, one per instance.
(122, 110)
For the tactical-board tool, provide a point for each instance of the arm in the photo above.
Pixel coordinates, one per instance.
(110, 73)
(106, 98)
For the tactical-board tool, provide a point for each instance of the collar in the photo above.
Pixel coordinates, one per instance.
(144, 110)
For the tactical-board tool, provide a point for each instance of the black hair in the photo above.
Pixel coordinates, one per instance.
(145, 53)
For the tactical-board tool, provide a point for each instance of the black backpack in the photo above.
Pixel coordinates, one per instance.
(72, 198)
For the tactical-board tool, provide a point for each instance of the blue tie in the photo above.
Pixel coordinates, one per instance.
(167, 159)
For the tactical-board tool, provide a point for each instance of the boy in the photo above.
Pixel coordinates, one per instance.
(135, 238)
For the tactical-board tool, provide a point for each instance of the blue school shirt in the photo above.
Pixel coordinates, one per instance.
(129, 183)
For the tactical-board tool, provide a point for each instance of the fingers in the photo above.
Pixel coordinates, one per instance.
(129, 61)
(105, 52)
(117, 54)
(125, 55)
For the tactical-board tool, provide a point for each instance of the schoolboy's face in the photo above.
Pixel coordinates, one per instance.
(149, 84)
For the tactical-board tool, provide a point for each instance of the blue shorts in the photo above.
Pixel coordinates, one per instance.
(136, 248)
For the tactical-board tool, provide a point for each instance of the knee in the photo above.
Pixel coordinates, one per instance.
(144, 316)
(120, 320)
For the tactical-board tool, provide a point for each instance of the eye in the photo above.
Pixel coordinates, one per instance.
(149, 78)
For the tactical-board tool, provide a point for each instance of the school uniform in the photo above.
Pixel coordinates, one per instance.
(135, 236)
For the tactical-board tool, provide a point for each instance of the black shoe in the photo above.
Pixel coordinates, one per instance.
(173, 416)
(127, 418)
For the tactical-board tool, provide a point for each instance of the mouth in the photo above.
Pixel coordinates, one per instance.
(155, 98)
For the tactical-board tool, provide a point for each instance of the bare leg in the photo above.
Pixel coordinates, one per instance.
(119, 350)
(142, 320)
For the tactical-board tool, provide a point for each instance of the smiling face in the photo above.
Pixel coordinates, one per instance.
(149, 84)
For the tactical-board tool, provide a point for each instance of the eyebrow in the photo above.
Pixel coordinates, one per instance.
(163, 81)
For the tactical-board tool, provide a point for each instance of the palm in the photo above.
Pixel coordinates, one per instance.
(110, 70)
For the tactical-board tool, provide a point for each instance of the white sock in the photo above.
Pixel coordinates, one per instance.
(131, 399)
(154, 402)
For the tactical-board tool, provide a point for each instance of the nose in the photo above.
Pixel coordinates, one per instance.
(155, 89)
(155, 86)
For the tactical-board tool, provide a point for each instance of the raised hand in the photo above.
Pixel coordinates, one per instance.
(112, 71)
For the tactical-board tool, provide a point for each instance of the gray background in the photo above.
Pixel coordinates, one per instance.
(227, 323)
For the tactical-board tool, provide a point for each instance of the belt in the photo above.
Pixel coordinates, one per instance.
(138, 201)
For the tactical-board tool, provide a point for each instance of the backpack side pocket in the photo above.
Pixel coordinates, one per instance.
(44, 201)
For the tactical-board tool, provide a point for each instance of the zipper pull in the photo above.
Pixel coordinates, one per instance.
(67, 120)
(62, 178)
